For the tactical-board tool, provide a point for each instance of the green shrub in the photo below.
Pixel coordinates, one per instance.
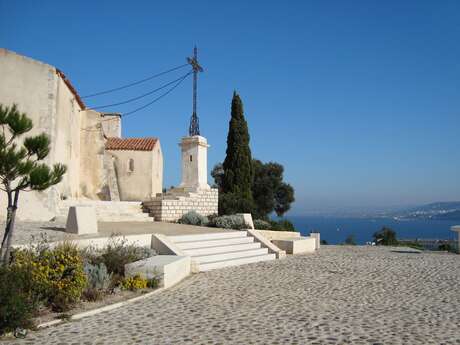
(231, 203)
(260, 224)
(193, 218)
(18, 301)
(118, 253)
(350, 240)
(134, 283)
(385, 237)
(99, 281)
(282, 225)
(230, 222)
(153, 283)
(56, 274)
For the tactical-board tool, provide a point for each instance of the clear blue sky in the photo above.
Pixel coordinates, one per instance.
(359, 100)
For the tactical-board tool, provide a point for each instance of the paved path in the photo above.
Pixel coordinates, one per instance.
(343, 295)
(26, 232)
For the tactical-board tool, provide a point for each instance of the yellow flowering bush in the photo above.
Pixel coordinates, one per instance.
(57, 274)
(134, 283)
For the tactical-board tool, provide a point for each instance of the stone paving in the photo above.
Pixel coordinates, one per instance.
(26, 232)
(341, 295)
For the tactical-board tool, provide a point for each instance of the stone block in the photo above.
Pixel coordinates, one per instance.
(247, 218)
(297, 245)
(81, 220)
(170, 268)
(316, 236)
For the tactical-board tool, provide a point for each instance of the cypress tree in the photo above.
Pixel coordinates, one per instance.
(237, 166)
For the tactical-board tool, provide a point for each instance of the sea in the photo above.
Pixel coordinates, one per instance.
(336, 230)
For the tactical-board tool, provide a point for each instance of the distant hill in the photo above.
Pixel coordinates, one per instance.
(437, 210)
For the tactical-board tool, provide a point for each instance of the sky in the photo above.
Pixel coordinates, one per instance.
(359, 100)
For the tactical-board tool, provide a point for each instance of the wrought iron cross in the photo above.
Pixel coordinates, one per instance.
(194, 128)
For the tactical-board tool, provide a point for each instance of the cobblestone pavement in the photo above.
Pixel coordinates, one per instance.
(26, 232)
(341, 295)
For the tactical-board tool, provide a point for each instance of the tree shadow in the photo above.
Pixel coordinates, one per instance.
(54, 228)
(406, 251)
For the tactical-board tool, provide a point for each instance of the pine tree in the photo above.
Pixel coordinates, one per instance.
(20, 167)
(238, 172)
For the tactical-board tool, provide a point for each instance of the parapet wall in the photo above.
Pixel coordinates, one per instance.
(172, 206)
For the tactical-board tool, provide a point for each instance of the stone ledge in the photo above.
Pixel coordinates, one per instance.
(297, 245)
(171, 268)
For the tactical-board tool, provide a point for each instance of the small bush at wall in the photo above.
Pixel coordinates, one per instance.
(194, 218)
(281, 225)
(118, 253)
(56, 274)
(99, 281)
(153, 283)
(260, 224)
(134, 283)
(18, 301)
(230, 222)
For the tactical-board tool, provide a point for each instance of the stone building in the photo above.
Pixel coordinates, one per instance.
(101, 165)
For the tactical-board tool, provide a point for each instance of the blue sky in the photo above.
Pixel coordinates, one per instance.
(359, 100)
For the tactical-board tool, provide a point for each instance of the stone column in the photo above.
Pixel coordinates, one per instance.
(194, 163)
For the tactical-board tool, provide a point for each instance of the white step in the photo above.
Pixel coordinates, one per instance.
(230, 255)
(222, 249)
(214, 243)
(235, 262)
(209, 236)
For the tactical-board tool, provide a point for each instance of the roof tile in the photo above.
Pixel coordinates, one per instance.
(131, 144)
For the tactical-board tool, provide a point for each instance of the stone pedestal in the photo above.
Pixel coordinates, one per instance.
(194, 152)
(81, 220)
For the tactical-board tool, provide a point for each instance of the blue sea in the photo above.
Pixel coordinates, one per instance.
(336, 230)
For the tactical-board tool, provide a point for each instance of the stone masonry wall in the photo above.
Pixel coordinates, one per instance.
(169, 208)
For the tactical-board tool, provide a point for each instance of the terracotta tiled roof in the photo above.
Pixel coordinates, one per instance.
(130, 144)
(71, 88)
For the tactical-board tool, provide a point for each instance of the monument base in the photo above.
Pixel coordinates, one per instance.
(172, 205)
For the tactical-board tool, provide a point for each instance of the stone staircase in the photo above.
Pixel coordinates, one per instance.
(223, 249)
(110, 211)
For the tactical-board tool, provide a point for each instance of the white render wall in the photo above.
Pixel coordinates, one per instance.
(147, 178)
(170, 209)
(40, 92)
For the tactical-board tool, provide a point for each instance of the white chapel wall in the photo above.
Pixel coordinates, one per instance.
(40, 92)
(135, 179)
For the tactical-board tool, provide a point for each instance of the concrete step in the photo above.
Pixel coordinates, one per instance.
(235, 262)
(222, 249)
(209, 236)
(214, 243)
(230, 255)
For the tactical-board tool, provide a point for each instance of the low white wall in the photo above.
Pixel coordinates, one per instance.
(278, 235)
